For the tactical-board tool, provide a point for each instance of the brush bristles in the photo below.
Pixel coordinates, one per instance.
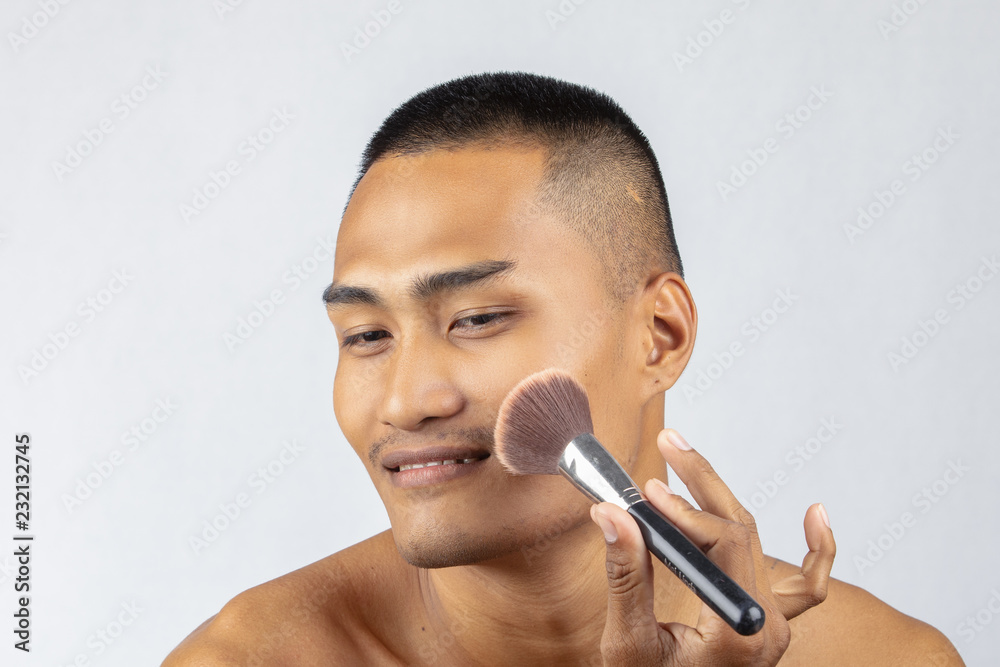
(538, 419)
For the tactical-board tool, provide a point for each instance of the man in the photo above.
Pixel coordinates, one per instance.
(502, 224)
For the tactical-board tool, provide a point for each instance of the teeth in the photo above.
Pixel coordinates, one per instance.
(411, 466)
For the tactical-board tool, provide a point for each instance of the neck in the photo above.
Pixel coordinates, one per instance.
(546, 604)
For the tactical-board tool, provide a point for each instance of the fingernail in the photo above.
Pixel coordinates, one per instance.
(677, 441)
(607, 527)
(663, 485)
(822, 513)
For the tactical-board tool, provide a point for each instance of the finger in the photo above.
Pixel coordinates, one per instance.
(808, 588)
(631, 633)
(703, 529)
(698, 475)
(726, 543)
(709, 491)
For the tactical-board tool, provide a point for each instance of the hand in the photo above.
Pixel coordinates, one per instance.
(726, 532)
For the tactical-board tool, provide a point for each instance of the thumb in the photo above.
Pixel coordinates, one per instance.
(631, 633)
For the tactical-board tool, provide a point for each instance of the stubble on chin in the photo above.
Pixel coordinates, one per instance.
(450, 546)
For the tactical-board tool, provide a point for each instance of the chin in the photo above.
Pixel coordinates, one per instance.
(438, 546)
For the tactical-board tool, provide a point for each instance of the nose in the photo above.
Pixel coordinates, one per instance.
(418, 386)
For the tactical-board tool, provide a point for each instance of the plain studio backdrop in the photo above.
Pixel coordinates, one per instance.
(173, 175)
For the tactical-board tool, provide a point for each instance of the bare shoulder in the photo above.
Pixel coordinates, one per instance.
(853, 627)
(323, 610)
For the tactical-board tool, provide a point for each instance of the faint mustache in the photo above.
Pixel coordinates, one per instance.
(478, 435)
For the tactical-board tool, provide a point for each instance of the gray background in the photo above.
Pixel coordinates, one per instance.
(162, 336)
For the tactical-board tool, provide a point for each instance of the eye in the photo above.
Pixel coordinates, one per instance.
(364, 339)
(480, 321)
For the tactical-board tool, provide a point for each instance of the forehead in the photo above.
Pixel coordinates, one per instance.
(446, 207)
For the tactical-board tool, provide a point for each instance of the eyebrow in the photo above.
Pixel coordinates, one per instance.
(423, 287)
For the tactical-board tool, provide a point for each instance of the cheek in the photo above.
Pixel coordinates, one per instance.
(338, 397)
(585, 346)
(353, 393)
(588, 337)
(613, 391)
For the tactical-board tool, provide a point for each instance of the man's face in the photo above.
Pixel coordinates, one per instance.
(466, 289)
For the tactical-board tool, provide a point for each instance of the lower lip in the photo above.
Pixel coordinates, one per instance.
(406, 479)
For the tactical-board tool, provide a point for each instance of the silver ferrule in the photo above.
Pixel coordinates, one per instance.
(594, 471)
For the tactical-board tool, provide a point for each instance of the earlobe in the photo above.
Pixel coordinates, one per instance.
(671, 321)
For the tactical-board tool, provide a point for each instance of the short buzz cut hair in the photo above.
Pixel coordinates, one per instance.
(600, 177)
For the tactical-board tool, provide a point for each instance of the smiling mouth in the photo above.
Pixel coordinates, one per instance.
(412, 466)
(442, 462)
(426, 470)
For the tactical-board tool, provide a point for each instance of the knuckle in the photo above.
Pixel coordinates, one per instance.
(818, 593)
(733, 545)
(782, 635)
(618, 650)
(703, 468)
(623, 575)
(756, 644)
(739, 534)
(743, 517)
(773, 638)
(629, 650)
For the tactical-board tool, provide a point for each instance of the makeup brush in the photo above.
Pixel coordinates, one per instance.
(544, 428)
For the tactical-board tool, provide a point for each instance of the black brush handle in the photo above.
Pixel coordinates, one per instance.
(716, 589)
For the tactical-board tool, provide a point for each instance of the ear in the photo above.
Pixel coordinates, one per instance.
(669, 325)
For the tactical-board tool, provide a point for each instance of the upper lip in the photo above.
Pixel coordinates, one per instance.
(401, 457)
